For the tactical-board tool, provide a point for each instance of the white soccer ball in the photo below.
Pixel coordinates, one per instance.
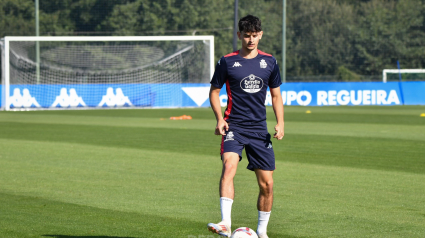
(244, 232)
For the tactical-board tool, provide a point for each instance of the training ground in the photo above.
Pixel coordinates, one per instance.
(341, 172)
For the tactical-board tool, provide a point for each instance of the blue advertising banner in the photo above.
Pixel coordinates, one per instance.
(413, 93)
(196, 95)
(334, 94)
(108, 95)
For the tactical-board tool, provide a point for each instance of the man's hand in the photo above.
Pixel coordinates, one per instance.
(279, 132)
(221, 127)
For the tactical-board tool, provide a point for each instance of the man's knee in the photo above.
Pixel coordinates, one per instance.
(229, 171)
(230, 161)
(229, 167)
(230, 164)
(266, 186)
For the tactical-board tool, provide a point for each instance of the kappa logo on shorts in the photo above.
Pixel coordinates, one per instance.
(269, 146)
(229, 136)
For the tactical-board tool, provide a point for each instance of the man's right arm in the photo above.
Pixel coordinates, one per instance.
(222, 125)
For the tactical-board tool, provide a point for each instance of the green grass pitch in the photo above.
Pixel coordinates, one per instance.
(341, 172)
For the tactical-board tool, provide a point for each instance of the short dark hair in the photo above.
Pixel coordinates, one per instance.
(249, 23)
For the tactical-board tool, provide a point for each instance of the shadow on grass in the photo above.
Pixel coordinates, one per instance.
(271, 234)
(65, 236)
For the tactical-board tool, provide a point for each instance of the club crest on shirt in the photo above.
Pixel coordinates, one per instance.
(263, 64)
(229, 136)
(252, 84)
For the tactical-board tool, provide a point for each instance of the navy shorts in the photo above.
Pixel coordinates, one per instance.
(258, 148)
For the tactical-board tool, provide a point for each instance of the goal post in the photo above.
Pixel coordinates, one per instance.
(2, 75)
(103, 71)
(401, 71)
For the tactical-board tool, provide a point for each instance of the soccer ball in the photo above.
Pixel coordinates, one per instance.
(244, 232)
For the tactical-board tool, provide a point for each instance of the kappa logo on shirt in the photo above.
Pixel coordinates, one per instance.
(229, 136)
(237, 64)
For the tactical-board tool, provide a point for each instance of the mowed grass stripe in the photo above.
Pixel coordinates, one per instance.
(404, 115)
(365, 152)
(206, 113)
(27, 216)
(397, 115)
(409, 132)
(318, 116)
(370, 153)
(107, 177)
(199, 124)
(365, 110)
(167, 139)
(310, 200)
(389, 131)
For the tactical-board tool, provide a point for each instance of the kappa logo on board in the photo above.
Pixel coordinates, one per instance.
(117, 99)
(71, 100)
(24, 101)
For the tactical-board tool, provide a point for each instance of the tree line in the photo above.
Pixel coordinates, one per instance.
(345, 38)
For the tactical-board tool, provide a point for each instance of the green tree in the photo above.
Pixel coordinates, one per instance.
(320, 37)
(174, 17)
(389, 31)
(17, 18)
(326, 37)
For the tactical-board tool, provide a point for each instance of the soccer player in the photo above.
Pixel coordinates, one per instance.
(247, 74)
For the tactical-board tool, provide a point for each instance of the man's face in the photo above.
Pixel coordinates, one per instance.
(250, 39)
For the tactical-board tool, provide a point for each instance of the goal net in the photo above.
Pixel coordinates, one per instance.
(406, 74)
(102, 72)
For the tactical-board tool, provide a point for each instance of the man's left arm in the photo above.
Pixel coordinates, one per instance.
(278, 111)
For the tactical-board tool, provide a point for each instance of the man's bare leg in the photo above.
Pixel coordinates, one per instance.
(227, 188)
(227, 194)
(265, 199)
(230, 165)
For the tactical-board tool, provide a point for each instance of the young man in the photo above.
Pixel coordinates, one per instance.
(247, 73)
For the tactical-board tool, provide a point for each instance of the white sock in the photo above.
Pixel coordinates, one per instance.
(263, 220)
(226, 209)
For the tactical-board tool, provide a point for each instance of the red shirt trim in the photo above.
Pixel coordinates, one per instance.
(262, 53)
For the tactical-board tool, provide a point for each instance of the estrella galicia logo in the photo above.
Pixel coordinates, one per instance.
(252, 84)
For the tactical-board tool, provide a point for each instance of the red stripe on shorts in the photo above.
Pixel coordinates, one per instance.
(222, 145)
(229, 100)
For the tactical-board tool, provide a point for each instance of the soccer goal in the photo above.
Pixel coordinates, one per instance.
(102, 72)
(385, 72)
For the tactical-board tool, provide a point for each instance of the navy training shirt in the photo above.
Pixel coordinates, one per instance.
(246, 85)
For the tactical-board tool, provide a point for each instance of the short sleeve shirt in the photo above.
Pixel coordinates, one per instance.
(246, 82)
